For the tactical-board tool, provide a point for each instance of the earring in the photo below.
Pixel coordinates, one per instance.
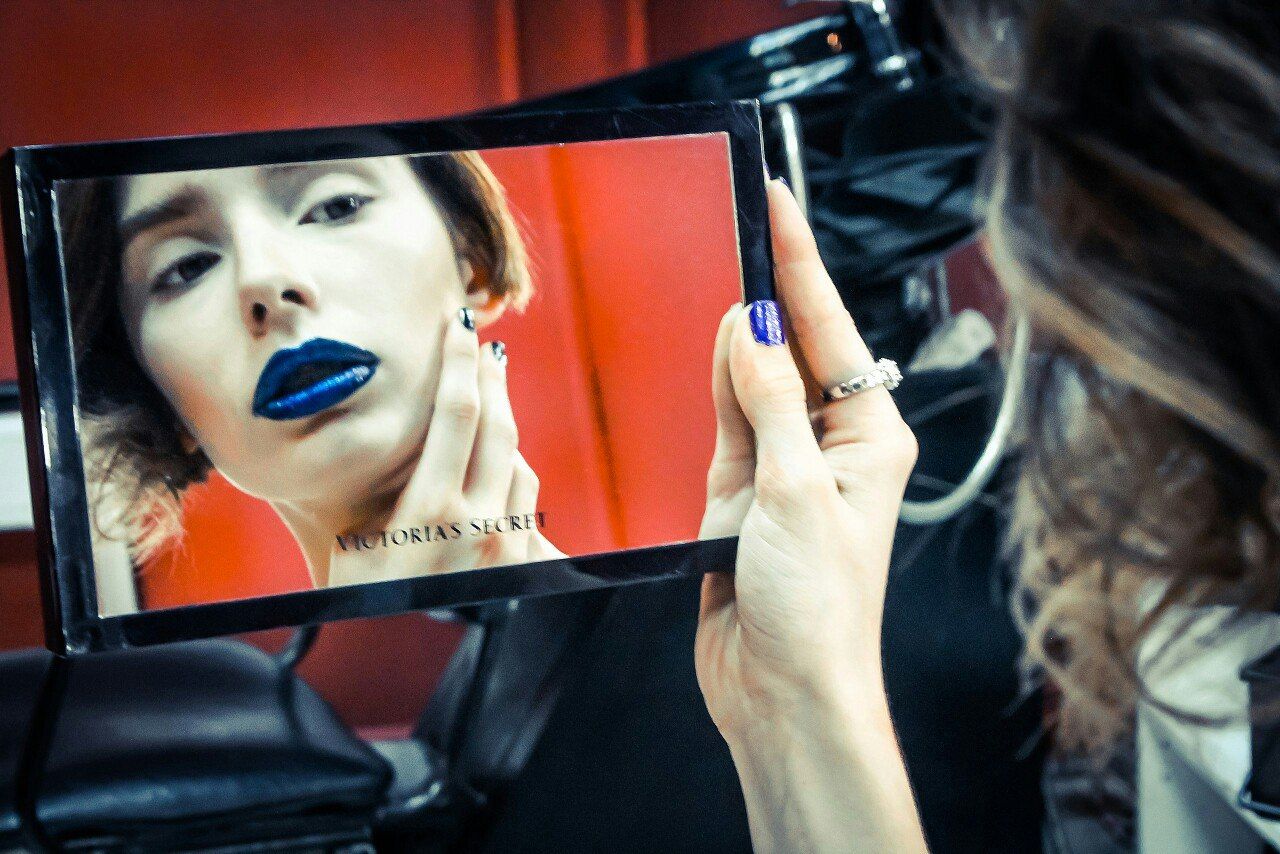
(186, 441)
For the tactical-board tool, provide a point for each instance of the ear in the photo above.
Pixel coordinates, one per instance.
(481, 299)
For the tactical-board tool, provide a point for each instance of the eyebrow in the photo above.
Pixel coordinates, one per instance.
(180, 204)
(286, 180)
(283, 181)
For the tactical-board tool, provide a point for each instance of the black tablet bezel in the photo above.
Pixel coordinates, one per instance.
(46, 365)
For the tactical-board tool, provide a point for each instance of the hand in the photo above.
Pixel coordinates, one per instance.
(788, 647)
(470, 471)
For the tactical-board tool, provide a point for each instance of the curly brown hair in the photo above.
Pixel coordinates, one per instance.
(1133, 198)
(136, 466)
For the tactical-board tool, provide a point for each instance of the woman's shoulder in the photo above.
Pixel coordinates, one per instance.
(1194, 748)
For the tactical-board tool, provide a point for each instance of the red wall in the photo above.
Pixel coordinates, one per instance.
(82, 70)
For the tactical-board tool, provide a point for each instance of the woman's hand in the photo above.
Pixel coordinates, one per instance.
(469, 502)
(788, 647)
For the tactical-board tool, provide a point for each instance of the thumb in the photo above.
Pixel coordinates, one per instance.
(768, 386)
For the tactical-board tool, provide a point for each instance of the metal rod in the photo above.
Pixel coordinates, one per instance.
(793, 154)
(941, 509)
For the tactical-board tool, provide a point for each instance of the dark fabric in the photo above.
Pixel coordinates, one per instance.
(1262, 790)
(973, 743)
(203, 735)
(1091, 810)
(513, 703)
(630, 760)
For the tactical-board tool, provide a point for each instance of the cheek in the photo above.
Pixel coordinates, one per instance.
(181, 368)
(409, 269)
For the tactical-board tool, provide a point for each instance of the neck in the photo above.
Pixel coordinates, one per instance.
(317, 524)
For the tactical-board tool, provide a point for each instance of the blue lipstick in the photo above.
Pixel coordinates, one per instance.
(300, 381)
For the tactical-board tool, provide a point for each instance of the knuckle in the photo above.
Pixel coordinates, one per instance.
(775, 387)
(901, 446)
(489, 548)
(525, 475)
(506, 432)
(778, 483)
(461, 405)
(454, 509)
(824, 316)
(461, 347)
(435, 508)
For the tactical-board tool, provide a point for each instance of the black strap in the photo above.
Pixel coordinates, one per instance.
(35, 752)
(531, 651)
(503, 683)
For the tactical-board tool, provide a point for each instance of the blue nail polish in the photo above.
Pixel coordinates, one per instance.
(766, 323)
(467, 318)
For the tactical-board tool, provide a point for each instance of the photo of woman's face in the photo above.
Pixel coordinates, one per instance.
(344, 272)
(390, 367)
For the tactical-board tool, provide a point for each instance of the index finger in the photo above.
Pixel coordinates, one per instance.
(454, 420)
(829, 342)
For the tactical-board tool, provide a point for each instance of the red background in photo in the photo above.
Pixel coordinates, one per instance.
(635, 257)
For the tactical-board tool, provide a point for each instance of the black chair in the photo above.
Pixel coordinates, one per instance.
(195, 746)
(21, 676)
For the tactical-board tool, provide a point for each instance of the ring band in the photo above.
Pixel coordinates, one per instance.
(885, 373)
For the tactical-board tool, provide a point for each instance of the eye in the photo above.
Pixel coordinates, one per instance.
(184, 271)
(336, 209)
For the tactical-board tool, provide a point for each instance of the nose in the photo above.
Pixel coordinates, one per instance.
(272, 287)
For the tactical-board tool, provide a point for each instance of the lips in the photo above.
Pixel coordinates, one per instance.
(300, 381)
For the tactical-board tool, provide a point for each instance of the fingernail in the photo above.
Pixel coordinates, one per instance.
(499, 351)
(467, 318)
(766, 323)
(782, 179)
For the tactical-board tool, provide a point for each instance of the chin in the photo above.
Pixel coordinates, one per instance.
(356, 453)
(360, 454)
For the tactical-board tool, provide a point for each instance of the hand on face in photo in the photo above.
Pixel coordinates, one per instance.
(470, 473)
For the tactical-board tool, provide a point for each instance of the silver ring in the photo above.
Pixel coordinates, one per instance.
(885, 373)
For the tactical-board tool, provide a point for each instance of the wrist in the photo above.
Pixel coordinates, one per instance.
(847, 715)
(829, 769)
(848, 698)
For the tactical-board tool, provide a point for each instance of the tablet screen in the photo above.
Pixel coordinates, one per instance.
(279, 389)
